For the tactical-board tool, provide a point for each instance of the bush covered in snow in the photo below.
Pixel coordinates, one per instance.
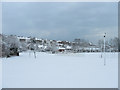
(10, 46)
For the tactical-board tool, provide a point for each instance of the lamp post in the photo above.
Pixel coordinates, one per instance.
(104, 50)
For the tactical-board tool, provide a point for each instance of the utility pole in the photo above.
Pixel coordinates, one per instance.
(104, 50)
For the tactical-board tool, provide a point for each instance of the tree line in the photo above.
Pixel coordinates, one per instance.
(10, 45)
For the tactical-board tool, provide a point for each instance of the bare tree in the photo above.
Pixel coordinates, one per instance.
(33, 46)
(115, 43)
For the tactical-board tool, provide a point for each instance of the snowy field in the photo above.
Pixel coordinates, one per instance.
(83, 70)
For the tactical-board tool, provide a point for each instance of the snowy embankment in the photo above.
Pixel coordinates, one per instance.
(84, 70)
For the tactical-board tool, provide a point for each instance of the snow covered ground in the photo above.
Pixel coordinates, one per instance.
(83, 70)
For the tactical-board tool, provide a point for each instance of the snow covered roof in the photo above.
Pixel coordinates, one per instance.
(59, 44)
(23, 38)
(40, 46)
(60, 47)
(58, 41)
(37, 39)
(68, 47)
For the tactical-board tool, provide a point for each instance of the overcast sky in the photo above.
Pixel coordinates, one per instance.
(61, 21)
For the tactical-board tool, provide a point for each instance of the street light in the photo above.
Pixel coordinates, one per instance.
(104, 50)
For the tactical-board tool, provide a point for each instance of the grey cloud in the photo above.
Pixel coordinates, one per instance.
(64, 21)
